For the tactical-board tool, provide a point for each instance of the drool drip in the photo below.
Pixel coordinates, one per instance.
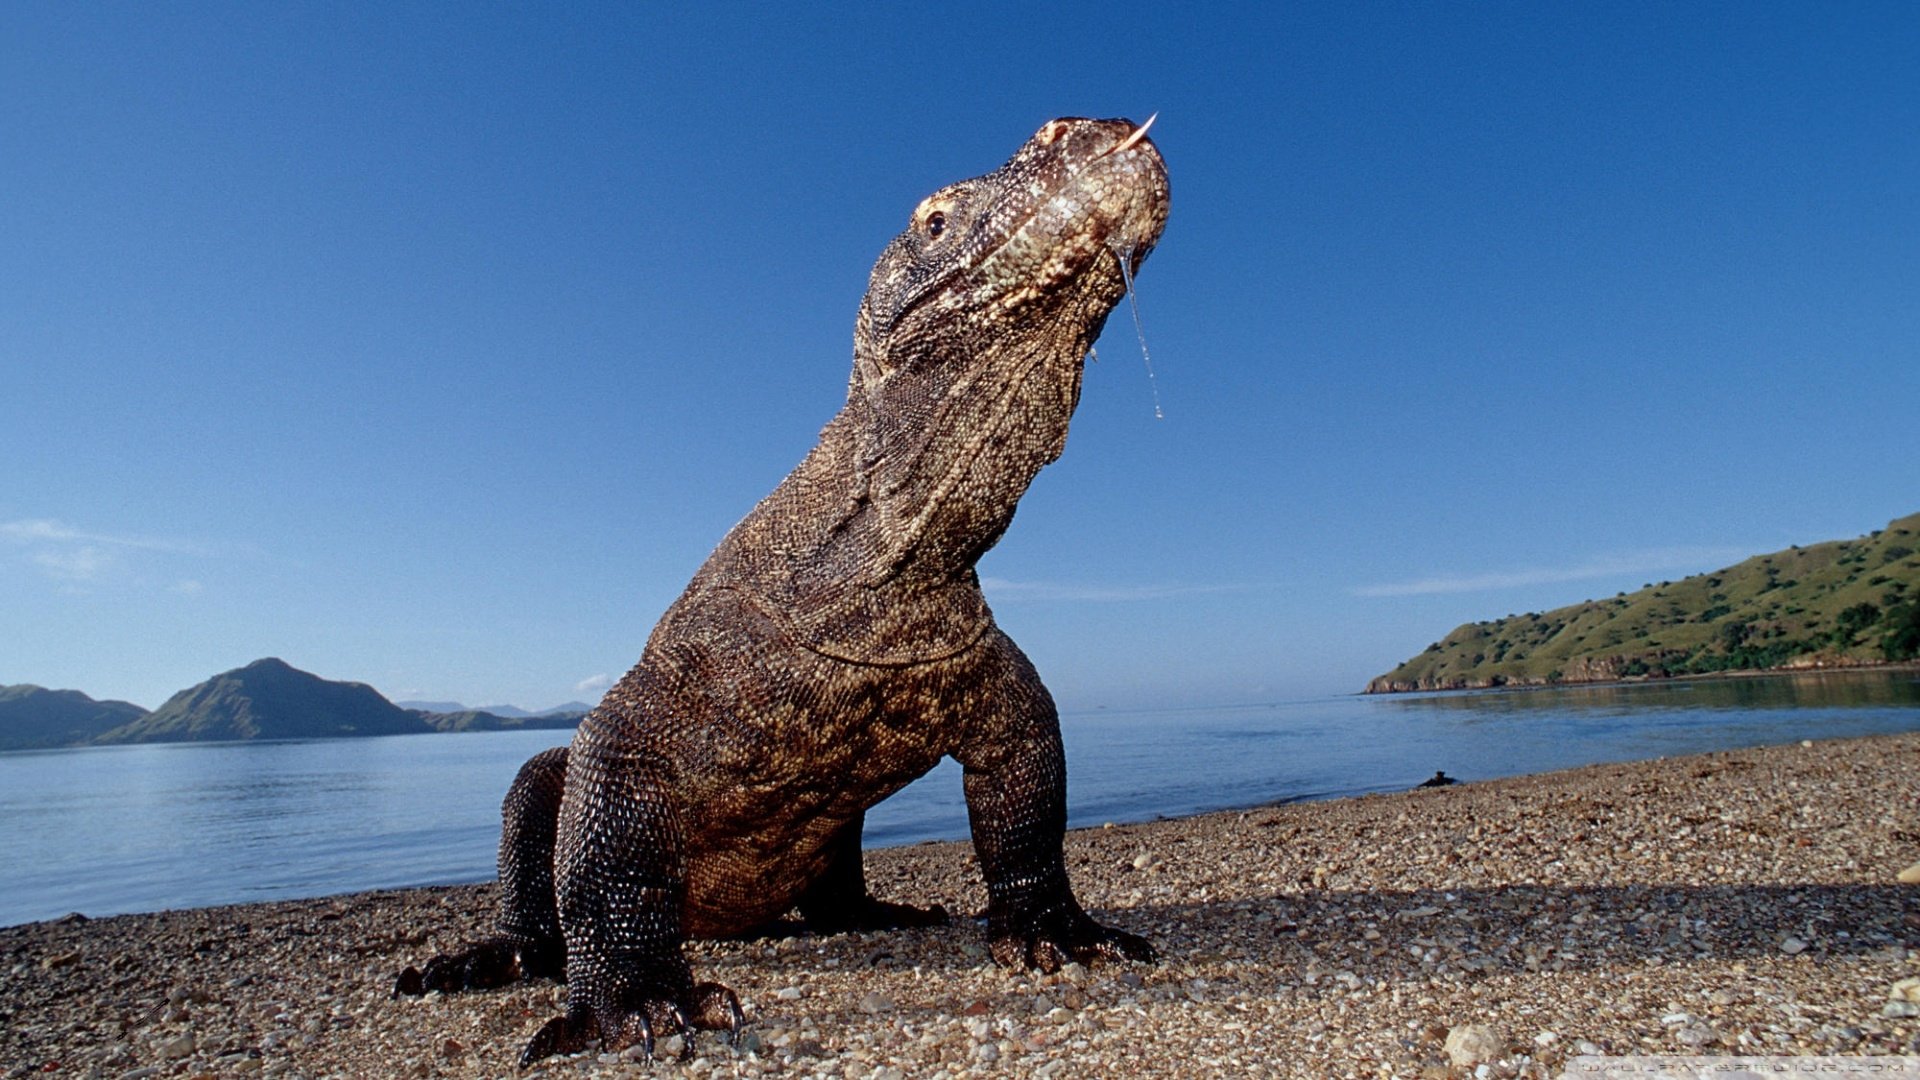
(1125, 255)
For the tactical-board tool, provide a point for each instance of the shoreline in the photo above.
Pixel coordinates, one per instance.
(1737, 902)
(1895, 666)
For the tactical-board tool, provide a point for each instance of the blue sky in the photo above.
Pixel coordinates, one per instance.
(435, 346)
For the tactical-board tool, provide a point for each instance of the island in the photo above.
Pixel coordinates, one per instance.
(1840, 604)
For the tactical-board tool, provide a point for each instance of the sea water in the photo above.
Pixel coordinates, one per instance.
(143, 828)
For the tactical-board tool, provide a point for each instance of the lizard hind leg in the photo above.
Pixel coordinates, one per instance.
(838, 901)
(527, 943)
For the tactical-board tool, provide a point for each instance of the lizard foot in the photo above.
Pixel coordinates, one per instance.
(482, 966)
(708, 1005)
(1060, 937)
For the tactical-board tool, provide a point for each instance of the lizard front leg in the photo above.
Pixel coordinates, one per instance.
(621, 885)
(1016, 787)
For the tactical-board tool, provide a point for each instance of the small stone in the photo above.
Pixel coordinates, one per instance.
(60, 960)
(1073, 998)
(1905, 990)
(177, 1047)
(1146, 860)
(986, 1052)
(875, 1003)
(788, 993)
(1472, 1044)
(888, 1072)
(670, 1048)
(1900, 1010)
(452, 1048)
(1073, 971)
(1792, 946)
(1911, 875)
(1696, 1035)
(141, 1073)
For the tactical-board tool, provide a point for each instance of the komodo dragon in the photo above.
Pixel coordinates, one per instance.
(836, 644)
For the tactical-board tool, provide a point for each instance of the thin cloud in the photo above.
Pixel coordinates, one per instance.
(85, 563)
(48, 531)
(1645, 562)
(593, 684)
(81, 557)
(1095, 594)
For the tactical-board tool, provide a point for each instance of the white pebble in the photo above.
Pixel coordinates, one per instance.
(1471, 1044)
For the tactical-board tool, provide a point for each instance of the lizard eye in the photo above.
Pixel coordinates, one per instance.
(936, 224)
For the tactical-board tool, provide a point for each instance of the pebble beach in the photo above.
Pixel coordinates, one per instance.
(1747, 902)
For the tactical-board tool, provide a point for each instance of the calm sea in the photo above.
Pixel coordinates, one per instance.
(143, 828)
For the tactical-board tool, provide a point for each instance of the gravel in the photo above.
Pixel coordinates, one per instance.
(1627, 908)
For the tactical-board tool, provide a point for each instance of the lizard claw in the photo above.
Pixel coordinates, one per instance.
(718, 1009)
(1076, 938)
(556, 1036)
(708, 1005)
(482, 965)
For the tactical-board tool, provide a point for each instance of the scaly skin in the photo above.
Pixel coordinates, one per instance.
(836, 644)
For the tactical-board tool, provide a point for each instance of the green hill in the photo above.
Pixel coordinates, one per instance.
(35, 718)
(269, 699)
(1845, 603)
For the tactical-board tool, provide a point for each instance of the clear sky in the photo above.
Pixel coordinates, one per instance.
(435, 346)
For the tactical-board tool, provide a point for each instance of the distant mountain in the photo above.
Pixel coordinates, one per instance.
(269, 699)
(1845, 603)
(481, 720)
(33, 717)
(433, 706)
(571, 708)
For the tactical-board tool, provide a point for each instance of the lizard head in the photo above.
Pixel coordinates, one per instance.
(977, 320)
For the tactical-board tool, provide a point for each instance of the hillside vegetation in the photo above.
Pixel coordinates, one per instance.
(1844, 603)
